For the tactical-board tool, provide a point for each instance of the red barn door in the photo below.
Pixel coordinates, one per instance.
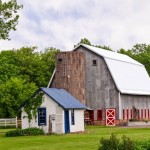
(110, 117)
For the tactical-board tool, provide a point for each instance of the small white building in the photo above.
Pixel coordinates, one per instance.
(59, 112)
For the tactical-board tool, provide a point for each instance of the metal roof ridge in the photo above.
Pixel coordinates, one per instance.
(87, 46)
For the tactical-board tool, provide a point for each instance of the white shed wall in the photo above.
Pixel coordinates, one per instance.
(25, 123)
(58, 125)
(52, 108)
(79, 121)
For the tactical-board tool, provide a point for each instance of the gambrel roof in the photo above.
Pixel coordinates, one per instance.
(129, 75)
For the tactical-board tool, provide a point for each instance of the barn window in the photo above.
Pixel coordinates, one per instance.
(41, 116)
(94, 63)
(99, 114)
(72, 117)
(59, 59)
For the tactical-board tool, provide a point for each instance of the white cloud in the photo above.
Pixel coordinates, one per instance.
(62, 23)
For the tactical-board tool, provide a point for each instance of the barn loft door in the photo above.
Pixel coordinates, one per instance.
(110, 117)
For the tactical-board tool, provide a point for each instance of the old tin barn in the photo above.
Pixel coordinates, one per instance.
(113, 86)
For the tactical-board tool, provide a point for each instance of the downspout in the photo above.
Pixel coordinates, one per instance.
(120, 106)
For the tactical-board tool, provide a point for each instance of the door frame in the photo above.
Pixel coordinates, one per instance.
(110, 116)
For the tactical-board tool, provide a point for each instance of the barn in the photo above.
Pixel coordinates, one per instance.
(113, 86)
(59, 112)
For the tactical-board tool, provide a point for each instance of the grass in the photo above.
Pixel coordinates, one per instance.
(88, 141)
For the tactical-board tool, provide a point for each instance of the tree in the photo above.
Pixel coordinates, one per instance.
(12, 94)
(22, 71)
(87, 42)
(104, 47)
(8, 17)
(140, 48)
(8, 67)
(37, 66)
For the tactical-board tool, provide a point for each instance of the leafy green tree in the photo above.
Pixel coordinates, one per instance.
(141, 48)
(12, 94)
(126, 52)
(87, 42)
(8, 67)
(104, 47)
(8, 17)
(22, 71)
(48, 57)
(37, 66)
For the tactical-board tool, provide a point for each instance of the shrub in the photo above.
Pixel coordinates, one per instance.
(33, 131)
(114, 144)
(126, 144)
(25, 132)
(143, 145)
(109, 144)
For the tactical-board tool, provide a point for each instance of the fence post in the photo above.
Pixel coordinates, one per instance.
(16, 123)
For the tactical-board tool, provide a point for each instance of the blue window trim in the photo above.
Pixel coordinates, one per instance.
(72, 117)
(39, 121)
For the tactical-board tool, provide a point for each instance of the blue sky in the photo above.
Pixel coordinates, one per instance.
(62, 23)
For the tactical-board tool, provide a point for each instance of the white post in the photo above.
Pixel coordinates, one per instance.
(16, 123)
(120, 107)
(5, 122)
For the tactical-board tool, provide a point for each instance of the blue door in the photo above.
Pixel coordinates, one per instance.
(67, 126)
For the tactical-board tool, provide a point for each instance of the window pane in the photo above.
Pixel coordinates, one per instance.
(72, 117)
(41, 116)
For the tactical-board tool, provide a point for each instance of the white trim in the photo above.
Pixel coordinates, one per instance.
(50, 81)
(120, 107)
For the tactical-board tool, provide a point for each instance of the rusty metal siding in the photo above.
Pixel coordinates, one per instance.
(70, 74)
(101, 91)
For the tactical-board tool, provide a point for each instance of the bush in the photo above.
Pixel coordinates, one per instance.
(143, 145)
(109, 144)
(114, 144)
(25, 132)
(126, 144)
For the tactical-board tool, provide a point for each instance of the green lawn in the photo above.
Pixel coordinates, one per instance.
(88, 141)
